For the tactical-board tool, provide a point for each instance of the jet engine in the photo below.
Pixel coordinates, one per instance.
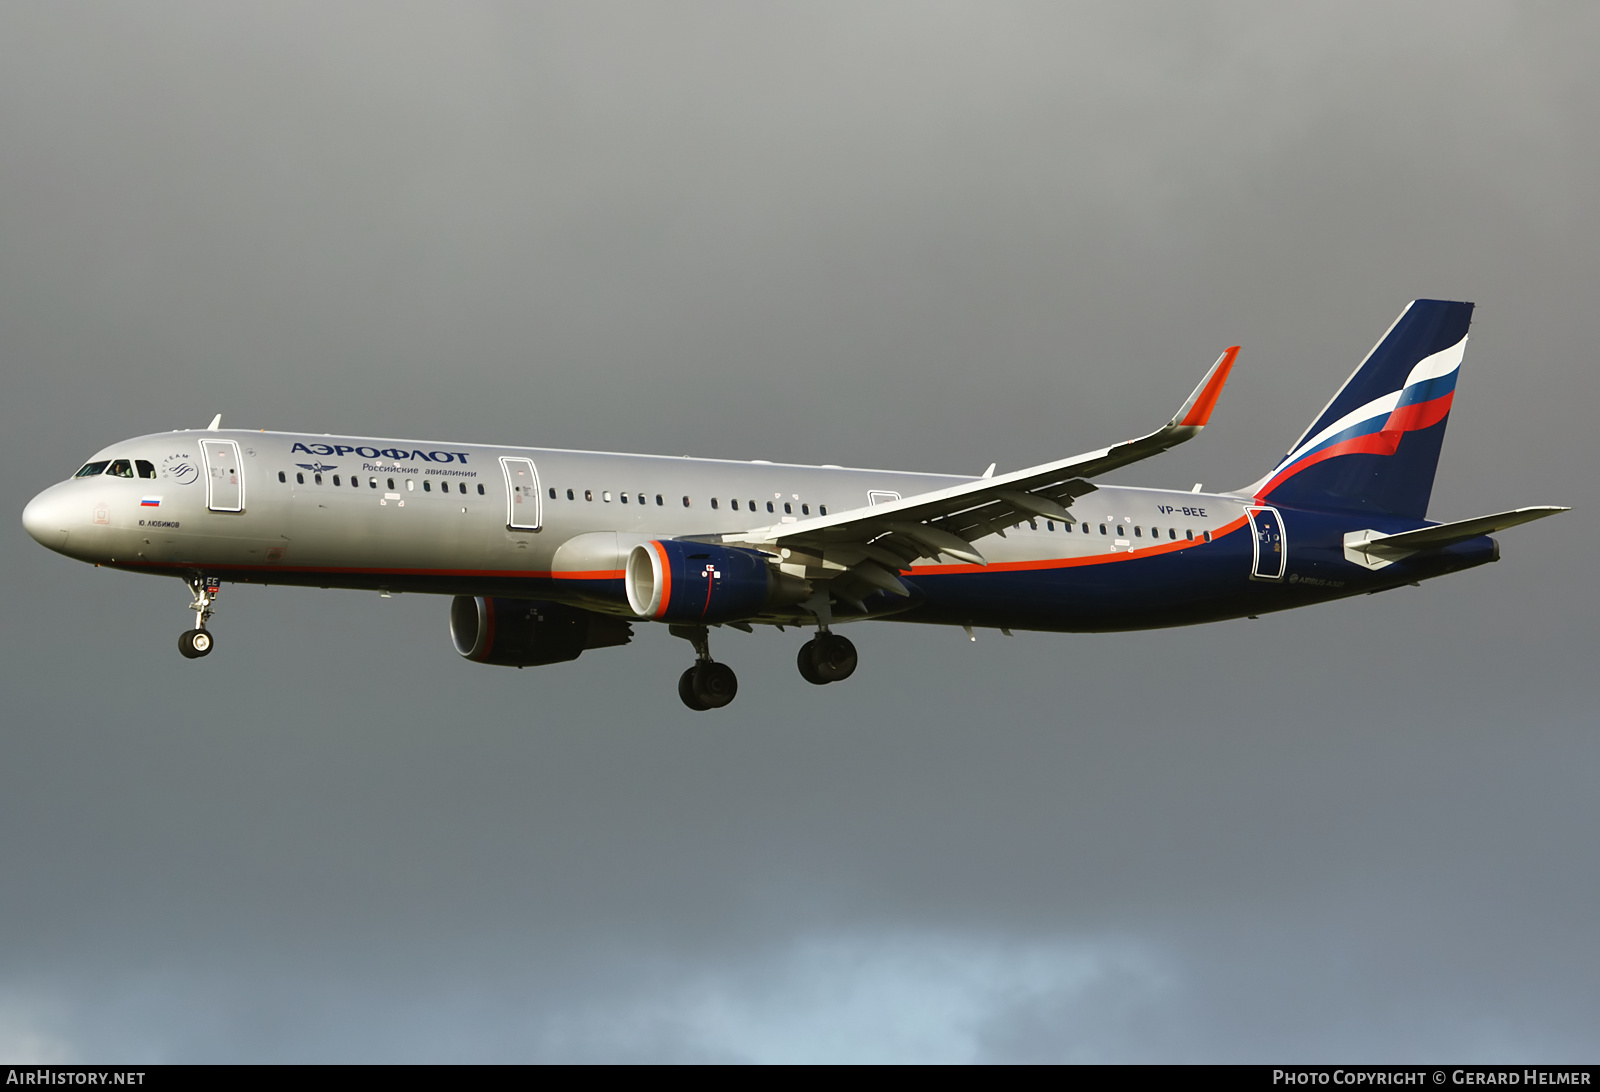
(527, 632)
(670, 580)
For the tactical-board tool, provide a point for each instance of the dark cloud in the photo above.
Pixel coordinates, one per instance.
(927, 236)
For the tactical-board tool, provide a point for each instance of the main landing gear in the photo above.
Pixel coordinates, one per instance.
(197, 642)
(826, 658)
(708, 684)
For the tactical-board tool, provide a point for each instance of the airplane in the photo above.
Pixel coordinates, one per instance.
(548, 554)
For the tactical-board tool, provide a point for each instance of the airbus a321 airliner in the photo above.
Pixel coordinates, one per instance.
(552, 553)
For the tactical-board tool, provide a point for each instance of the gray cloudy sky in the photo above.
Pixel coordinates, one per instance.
(917, 235)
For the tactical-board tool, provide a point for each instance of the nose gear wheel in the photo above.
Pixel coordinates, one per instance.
(194, 643)
(197, 642)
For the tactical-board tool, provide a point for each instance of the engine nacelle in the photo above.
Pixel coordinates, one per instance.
(527, 632)
(669, 580)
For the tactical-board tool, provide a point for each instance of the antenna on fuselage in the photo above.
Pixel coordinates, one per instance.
(216, 423)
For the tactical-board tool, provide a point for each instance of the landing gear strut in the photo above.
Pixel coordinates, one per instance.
(708, 684)
(197, 642)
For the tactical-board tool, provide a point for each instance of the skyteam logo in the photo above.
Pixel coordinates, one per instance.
(317, 468)
(1378, 427)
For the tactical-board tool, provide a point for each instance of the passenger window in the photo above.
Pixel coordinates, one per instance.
(299, 478)
(588, 494)
(146, 469)
(686, 502)
(89, 470)
(480, 489)
(641, 498)
(372, 482)
(552, 492)
(1086, 529)
(336, 479)
(1102, 528)
(570, 496)
(1189, 535)
(606, 496)
(391, 484)
(122, 468)
(713, 503)
(1206, 535)
(1138, 533)
(463, 486)
(411, 485)
(1172, 533)
(659, 501)
(282, 477)
(1033, 525)
(822, 509)
(788, 508)
(734, 504)
(318, 479)
(805, 509)
(427, 486)
(623, 497)
(769, 506)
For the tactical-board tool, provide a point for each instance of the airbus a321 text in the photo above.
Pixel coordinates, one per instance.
(549, 554)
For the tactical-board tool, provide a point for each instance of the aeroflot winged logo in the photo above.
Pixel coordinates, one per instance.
(395, 453)
(318, 467)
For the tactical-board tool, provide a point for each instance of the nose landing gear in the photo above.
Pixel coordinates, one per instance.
(708, 684)
(198, 642)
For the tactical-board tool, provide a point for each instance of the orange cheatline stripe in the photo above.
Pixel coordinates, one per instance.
(272, 567)
(1074, 562)
(592, 574)
(1201, 413)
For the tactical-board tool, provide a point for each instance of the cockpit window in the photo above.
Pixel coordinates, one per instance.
(91, 469)
(121, 468)
(147, 469)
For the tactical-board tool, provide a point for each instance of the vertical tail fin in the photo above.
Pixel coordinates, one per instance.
(1376, 446)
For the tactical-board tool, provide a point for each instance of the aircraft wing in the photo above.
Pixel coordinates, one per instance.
(870, 545)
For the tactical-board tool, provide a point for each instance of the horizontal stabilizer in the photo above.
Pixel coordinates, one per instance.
(1376, 550)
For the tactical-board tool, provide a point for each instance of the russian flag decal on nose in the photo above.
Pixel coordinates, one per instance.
(150, 502)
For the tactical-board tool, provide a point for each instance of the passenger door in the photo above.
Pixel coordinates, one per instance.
(224, 475)
(1271, 549)
(523, 503)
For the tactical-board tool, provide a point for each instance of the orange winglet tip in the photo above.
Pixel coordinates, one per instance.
(1200, 412)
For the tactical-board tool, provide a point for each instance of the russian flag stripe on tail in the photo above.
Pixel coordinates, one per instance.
(1376, 446)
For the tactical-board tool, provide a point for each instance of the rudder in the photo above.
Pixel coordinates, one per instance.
(1375, 447)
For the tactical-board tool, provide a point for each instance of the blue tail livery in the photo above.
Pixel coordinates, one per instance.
(549, 553)
(1376, 446)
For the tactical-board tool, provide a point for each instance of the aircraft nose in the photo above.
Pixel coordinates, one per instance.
(45, 518)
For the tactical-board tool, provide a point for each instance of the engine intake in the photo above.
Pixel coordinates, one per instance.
(669, 580)
(528, 633)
